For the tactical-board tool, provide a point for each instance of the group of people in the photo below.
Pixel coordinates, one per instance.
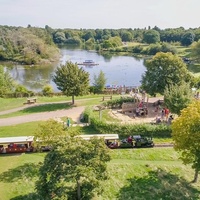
(141, 109)
(165, 116)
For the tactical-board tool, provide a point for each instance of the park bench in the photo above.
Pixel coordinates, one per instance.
(31, 101)
(107, 98)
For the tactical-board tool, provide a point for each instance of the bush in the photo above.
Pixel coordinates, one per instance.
(117, 103)
(47, 90)
(137, 49)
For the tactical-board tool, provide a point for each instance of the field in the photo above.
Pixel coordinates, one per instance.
(154, 173)
(134, 174)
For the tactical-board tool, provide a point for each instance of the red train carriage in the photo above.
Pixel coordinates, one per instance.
(16, 144)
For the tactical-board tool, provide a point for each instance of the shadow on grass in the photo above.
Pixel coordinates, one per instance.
(31, 196)
(194, 68)
(26, 171)
(47, 107)
(158, 185)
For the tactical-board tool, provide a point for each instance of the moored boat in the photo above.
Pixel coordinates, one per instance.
(88, 63)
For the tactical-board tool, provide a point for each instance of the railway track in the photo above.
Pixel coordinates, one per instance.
(163, 145)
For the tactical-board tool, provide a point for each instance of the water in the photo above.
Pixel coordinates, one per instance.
(118, 70)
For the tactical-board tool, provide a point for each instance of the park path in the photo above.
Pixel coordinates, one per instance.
(74, 113)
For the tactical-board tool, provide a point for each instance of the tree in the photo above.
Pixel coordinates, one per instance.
(196, 50)
(99, 82)
(177, 97)
(188, 38)
(186, 136)
(59, 37)
(6, 82)
(48, 132)
(162, 70)
(71, 80)
(21, 90)
(73, 169)
(151, 36)
(126, 36)
(47, 90)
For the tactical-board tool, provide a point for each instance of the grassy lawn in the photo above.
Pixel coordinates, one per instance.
(154, 173)
(10, 103)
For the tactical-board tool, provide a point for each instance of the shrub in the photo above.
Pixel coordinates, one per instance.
(117, 103)
(47, 90)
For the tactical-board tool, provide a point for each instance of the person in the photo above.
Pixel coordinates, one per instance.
(166, 113)
(170, 119)
(68, 122)
(162, 113)
(130, 140)
(137, 111)
(158, 120)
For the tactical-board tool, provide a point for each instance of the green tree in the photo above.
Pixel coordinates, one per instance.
(21, 90)
(177, 97)
(47, 90)
(73, 169)
(186, 136)
(99, 82)
(127, 36)
(115, 41)
(59, 37)
(188, 38)
(151, 36)
(48, 133)
(162, 70)
(6, 82)
(71, 80)
(107, 44)
(196, 50)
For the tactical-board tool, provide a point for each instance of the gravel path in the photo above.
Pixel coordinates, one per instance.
(73, 113)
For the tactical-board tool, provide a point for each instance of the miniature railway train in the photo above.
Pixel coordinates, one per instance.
(24, 144)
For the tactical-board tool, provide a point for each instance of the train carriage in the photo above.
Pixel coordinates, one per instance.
(16, 144)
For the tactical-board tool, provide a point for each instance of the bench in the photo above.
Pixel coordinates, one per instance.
(107, 98)
(31, 101)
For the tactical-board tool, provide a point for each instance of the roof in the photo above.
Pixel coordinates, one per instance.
(105, 136)
(20, 139)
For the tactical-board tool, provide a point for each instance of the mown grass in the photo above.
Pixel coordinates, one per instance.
(24, 129)
(10, 103)
(154, 173)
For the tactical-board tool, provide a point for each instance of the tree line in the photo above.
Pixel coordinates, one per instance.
(33, 45)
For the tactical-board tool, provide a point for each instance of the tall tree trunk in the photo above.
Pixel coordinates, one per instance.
(72, 99)
(195, 176)
(78, 190)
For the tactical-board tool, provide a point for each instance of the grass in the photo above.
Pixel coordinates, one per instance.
(24, 129)
(10, 103)
(154, 173)
(37, 109)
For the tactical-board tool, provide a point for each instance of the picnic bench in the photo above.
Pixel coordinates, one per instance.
(31, 101)
(107, 98)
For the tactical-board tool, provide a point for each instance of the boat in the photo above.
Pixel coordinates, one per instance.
(88, 63)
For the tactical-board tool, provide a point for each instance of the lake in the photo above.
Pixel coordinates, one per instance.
(118, 70)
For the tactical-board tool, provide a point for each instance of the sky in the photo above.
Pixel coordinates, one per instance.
(92, 14)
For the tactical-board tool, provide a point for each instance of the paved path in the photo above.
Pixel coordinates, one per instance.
(73, 113)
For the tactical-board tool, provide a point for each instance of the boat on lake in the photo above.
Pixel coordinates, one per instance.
(88, 63)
